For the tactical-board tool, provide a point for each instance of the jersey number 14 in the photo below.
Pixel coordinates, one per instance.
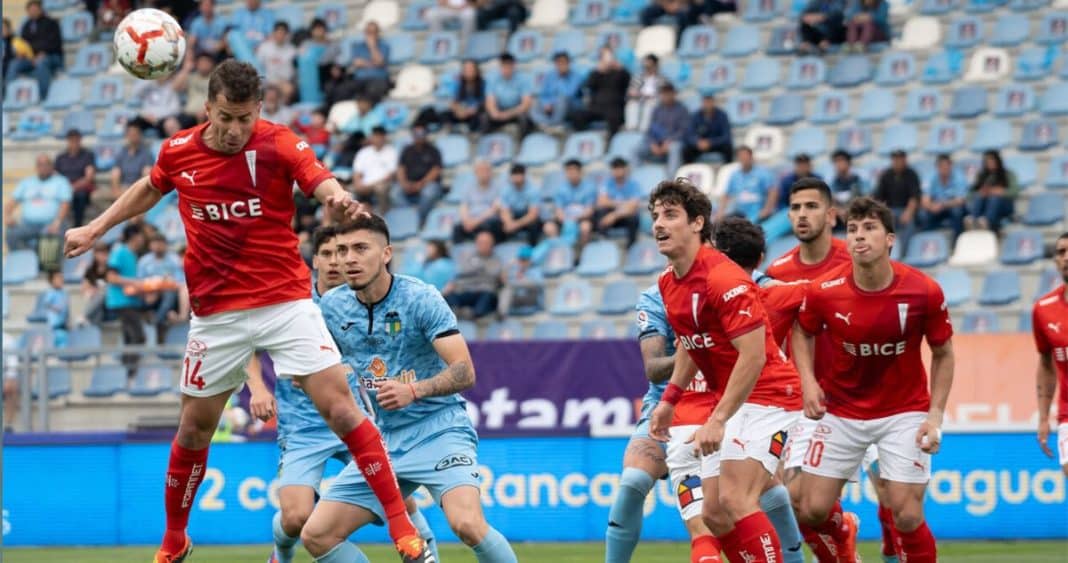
(191, 374)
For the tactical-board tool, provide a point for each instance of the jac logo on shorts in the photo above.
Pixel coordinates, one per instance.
(227, 211)
(822, 430)
(735, 292)
(454, 460)
(196, 349)
(778, 443)
(865, 349)
(701, 341)
(689, 491)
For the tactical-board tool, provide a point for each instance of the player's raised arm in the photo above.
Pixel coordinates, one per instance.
(339, 203)
(1045, 386)
(139, 198)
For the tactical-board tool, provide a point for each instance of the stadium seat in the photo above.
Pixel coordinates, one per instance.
(401, 48)
(786, 109)
(454, 149)
(548, 14)
(1054, 29)
(403, 222)
(559, 259)
(782, 41)
(598, 329)
(1021, 247)
(1035, 63)
(21, 93)
(585, 146)
(35, 339)
(1027, 5)
(968, 102)
(394, 115)
(293, 16)
(504, 330)
(902, 136)
(80, 120)
(106, 381)
(34, 124)
(1054, 101)
(656, 40)
(968, 166)
(1046, 208)
(334, 14)
(83, 337)
(742, 40)
(75, 27)
(964, 32)
(114, 125)
(439, 223)
(1039, 135)
(648, 176)
(850, 71)
(956, 286)
(104, 154)
(618, 298)
(762, 11)
(896, 68)
(1057, 175)
(94, 58)
(441, 47)
(831, 107)
(570, 41)
(698, 41)
(625, 144)
(1025, 167)
(975, 248)
(877, 105)
(551, 330)
(538, 149)
(855, 140)
(807, 140)
(938, 7)
(39, 314)
(507, 251)
(760, 74)
(599, 259)
(529, 309)
(526, 45)
(942, 67)
(716, 76)
(699, 174)
(766, 142)
(742, 110)
(386, 13)
(74, 268)
(174, 342)
(1047, 280)
(20, 266)
(922, 104)
(927, 249)
(919, 34)
(483, 46)
(5, 299)
(57, 381)
(1010, 30)
(988, 64)
(105, 92)
(982, 321)
(945, 138)
(572, 297)
(1000, 287)
(1014, 100)
(151, 380)
(992, 134)
(982, 6)
(589, 13)
(415, 15)
(63, 93)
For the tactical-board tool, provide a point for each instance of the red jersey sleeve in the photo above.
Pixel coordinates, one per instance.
(300, 159)
(736, 300)
(160, 176)
(938, 327)
(808, 315)
(1042, 342)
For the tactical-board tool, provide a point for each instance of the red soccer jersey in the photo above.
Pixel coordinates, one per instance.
(876, 367)
(782, 303)
(712, 304)
(696, 404)
(238, 212)
(1049, 322)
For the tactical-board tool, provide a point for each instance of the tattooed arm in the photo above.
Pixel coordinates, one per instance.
(658, 365)
(458, 376)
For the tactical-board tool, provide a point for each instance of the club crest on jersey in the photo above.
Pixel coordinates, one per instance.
(689, 491)
(393, 323)
(778, 443)
(902, 315)
(250, 160)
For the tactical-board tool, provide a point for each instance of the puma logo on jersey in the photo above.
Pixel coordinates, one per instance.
(746, 313)
(845, 318)
(1055, 327)
(191, 176)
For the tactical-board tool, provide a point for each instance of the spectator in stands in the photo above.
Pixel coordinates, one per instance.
(273, 108)
(995, 190)
(160, 264)
(509, 98)
(207, 31)
(278, 57)
(12, 43)
(575, 201)
(667, 130)
(56, 305)
(314, 130)
(462, 12)
(360, 123)
(868, 21)
(845, 184)
(370, 64)
(682, 11)
(192, 80)
(822, 24)
(419, 174)
(473, 293)
(328, 49)
(709, 132)
(751, 190)
(11, 382)
(94, 285)
(519, 210)
(899, 189)
(78, 166)
(606, 89)
(159, 102)
(642, 94)
(133, 162)
(619, 202)
(252, 22)
(468, 107)
(944, 198)
(438, 268)
(802, 169)
(560, 93)
(523, 285)
(374, 170)
(121, 297)
(38, 207)
(479, 206)
(490, 11)
(44, 37)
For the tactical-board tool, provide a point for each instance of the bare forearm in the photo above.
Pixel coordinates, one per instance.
(255, 375)
(683, 370)
(743, 378)
(1046, 386)
(453, 379)
(658, 370)
(941, 380)
(139, 198)
(802, 346)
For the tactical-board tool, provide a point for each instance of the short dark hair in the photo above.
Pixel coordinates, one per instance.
(802, 157)
(317, 22)
(238, 81)
(280, 25)
(744, 148)
(682, 192)
(506, 57)
(842, 154)
(812, 183)
(1063, 236)
(944, 157)
(619, 162)
(158, 237)
(865, 207)
(518, 169)
(573, 162)
(364, 222)
(320, 236)
(130, 231)
(741, 240)
(378, 130)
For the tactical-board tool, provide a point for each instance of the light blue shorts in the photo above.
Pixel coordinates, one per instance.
(641, 430)
(302, 461)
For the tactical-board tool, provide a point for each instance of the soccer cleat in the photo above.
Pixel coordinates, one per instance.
(847, 550)
(273, 558)
(413, 549)
(179, 557)
(890, 559)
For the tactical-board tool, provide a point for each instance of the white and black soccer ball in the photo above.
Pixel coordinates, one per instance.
(149, 44)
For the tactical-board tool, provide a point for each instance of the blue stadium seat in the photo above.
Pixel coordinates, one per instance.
(506, 252)
(927, 249)
(831, 107)
(83, 337)
(598, 329)
(1039, 135)
(551, 330)
(1035, 63)
(571, 41)
(1025, 167)
(483, 46)
(945, 138)
(855, 140)
(505, 330)
(538, 149)
(964, 33)
(628, 12)
(20, 266)
(956, 286)
(1054, 101)
(75, 27)
(39, 314)
(105, 91)
(291, 14)
(447, 85)
(415, 15)
(105, 155)
(496, 148)
(1010, 30)
(1054, 29)
(403, 222)
(34, 124)
(806, 73)
(698, 41)
(81, 120)
(35, 339)
(761, 11)
(572, 297)
(786, 109)
(938, 7)
(74, 268)
(151, 380)
(648, 176)
(94, 58)
(1057, 175)
(1000, 287)
(586, 146)
(526, 45)
(782, 41)
(942, 67)
(981, 6)
(978, 322)
(599, 259)
(716, 76)
(618, 298)
(454, 149)
(619, 40)
(401, 48)
(589, 13)
(559, 259)
(968, 102)
(174, 342)
(850, 71)
(992, 134)
(439, 223)
(1027, 5)
(743, 109)
(62, 94)
(807, 140)
(440, 47)
(760, 74)
(21, 94)
(106, 381)
(1047, 280)
(1014, 100)
(877, 105)
(922, 104)
(896, 68)
(334, 14)
(902, 136)
(1046, 208)
(58, 382)
(625, 144)
(677, 72)
(114, 125)
(1021, 247)
(5, 298)
(742, 40)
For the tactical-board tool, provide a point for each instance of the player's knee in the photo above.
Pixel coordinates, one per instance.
(342, 416)
(715, 518)
(293, 521)
(908, 518)
(812, 513)
(317, 541)
(736, 504)
(470, 528)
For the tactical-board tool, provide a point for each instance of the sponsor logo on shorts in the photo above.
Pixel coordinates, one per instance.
(689, 491)
(453, 460)
(822, 430)
(196, 349)
(778, 444)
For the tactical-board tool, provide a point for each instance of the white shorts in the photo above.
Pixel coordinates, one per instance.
(839, 447)
(800, 434)
(687, 469)
(220, 345)
(1062, 442)
(758, 432)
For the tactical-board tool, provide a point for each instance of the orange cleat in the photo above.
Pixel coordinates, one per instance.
(847, 550)
(163, 557)
(413, 549)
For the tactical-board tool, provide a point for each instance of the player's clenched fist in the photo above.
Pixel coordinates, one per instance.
(78, 241)
(929, 437)
(660, 421)
(343, 208)
(708, 438)
(1043, 438)
(815, 406)
(393, 395)
(262, 405)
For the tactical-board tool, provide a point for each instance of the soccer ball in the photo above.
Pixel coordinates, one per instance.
(149, 44)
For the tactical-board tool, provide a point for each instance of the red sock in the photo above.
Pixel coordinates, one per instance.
(824, 549)
(753, 539)
(704, 549)
(886, 520)
(823, 539)
(184, 473)
(369, 453)
(917, 546)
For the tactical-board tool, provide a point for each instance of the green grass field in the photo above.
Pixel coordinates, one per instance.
(648, 552)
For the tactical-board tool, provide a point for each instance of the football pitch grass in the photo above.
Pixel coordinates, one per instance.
(648, 552)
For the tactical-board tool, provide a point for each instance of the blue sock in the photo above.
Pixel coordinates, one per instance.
(494, 549)
(425, 532)
(344, 552)
(283, 544)
(625, 517)
(775, 502)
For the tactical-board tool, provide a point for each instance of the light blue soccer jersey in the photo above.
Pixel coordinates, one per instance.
(652, 321)
(394, 339)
